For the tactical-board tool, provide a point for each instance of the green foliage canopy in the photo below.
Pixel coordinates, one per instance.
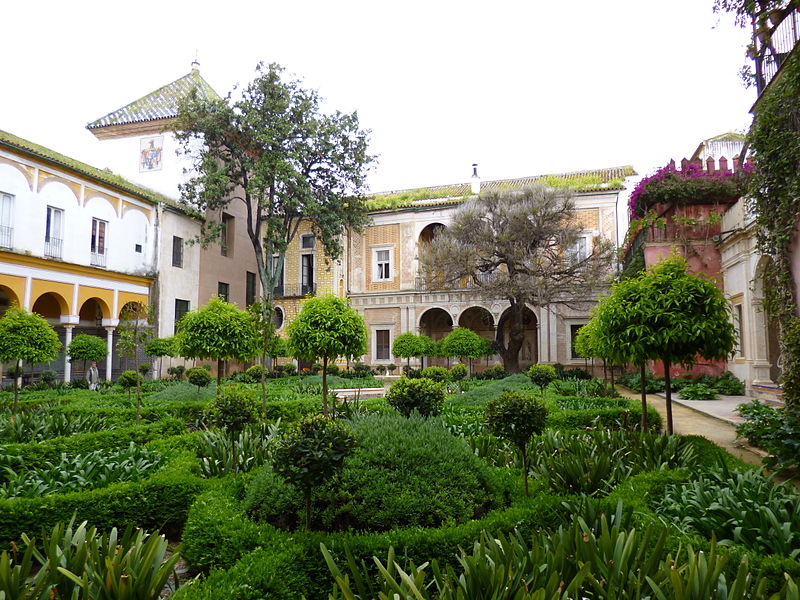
(217, 331)
(160, 347)
(27, 336)
(463, 343)
(87, 347)
(327, 328)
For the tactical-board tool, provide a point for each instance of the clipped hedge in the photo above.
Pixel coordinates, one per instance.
(161, 500)
(619, 414)
(276, 564)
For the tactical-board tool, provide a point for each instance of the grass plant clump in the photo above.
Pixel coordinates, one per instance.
(254, 446)
(594, 463)
(404, 472)
(44, 424)
(738, 508)
(94, 470)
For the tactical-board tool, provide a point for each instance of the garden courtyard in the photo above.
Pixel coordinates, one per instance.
(418, 494)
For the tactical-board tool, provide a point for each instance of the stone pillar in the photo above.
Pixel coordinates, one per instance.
(110, 325)
(67, 362)
(69, 322)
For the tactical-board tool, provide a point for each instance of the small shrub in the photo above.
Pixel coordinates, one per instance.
(541, 375)
(495, 372)
(254, 373)
(82, 384)
(333, 369)
(290, 370)
(424, 396)
(727, 384)
(413, 373)
(391, 367)
(198, 376)
(48, 378)
(698, 391)
(438, 374)
(458, 372)
(761, 423)
(362, 370)
(233, 408)
(381, 369)
(177, 372)
(144, 368)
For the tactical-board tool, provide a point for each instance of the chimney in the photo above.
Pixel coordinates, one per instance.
(476, 180)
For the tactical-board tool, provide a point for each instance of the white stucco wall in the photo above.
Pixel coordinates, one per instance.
(122, 156)
(81, 200)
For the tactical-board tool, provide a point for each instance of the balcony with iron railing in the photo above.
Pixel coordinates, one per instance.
(299, 290)
(773, 45)
(6, 236)
(98, 259)
(53, 247)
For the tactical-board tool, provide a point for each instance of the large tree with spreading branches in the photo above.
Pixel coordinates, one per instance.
(271, 149)
(519, 245)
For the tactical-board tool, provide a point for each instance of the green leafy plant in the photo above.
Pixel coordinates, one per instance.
(698, 391)
(422, 395)
(233, 408)
(129, 380)
(42, 424)
(88, 348)
(311, 453)
(516, 418)
(737, 507)
(762, 421)
(253, 444)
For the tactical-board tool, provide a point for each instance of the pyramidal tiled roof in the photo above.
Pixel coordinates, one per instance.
(594, 180)
(161, 104)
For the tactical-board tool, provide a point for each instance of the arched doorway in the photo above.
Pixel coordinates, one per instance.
(529, 352)
(436, 323)
(481, 321)
(51, 306)
(426, 236)
(7, 299)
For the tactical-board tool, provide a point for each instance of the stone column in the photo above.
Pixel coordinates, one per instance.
(110, 325)
(67, 363)
(69, 322)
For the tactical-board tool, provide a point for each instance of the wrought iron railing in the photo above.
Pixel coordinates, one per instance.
(771, 55)
(6, 236)
(98, 259)
(53, 247)
(299, 290)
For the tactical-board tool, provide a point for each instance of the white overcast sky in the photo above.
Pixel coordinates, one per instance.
(522, 88)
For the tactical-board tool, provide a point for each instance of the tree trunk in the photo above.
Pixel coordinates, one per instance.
(643, 386)
(668, 390)
(516, 336)
(325, 386)
(611, 370)
(17, 377)
(307, 493)
(264, 391)
(235, 454)
(220, 367)
(525, 468)
(138, 399)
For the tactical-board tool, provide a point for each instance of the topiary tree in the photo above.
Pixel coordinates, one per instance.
(326, 329)
(542, 375)
(463, 343)
(516, 417)
(217, 331)
(406, 345)
(199, 376)
(133, 332)
(25, 336)
(311, 453)
(422, 395)
(670, 315)
(232, 409)
(129, 380)
(88, 348)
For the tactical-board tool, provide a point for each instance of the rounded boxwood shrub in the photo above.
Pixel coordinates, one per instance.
(542, 375)
(404, 472)
(254, 373)
(439, 374)
(422, 395)
(458, 372)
